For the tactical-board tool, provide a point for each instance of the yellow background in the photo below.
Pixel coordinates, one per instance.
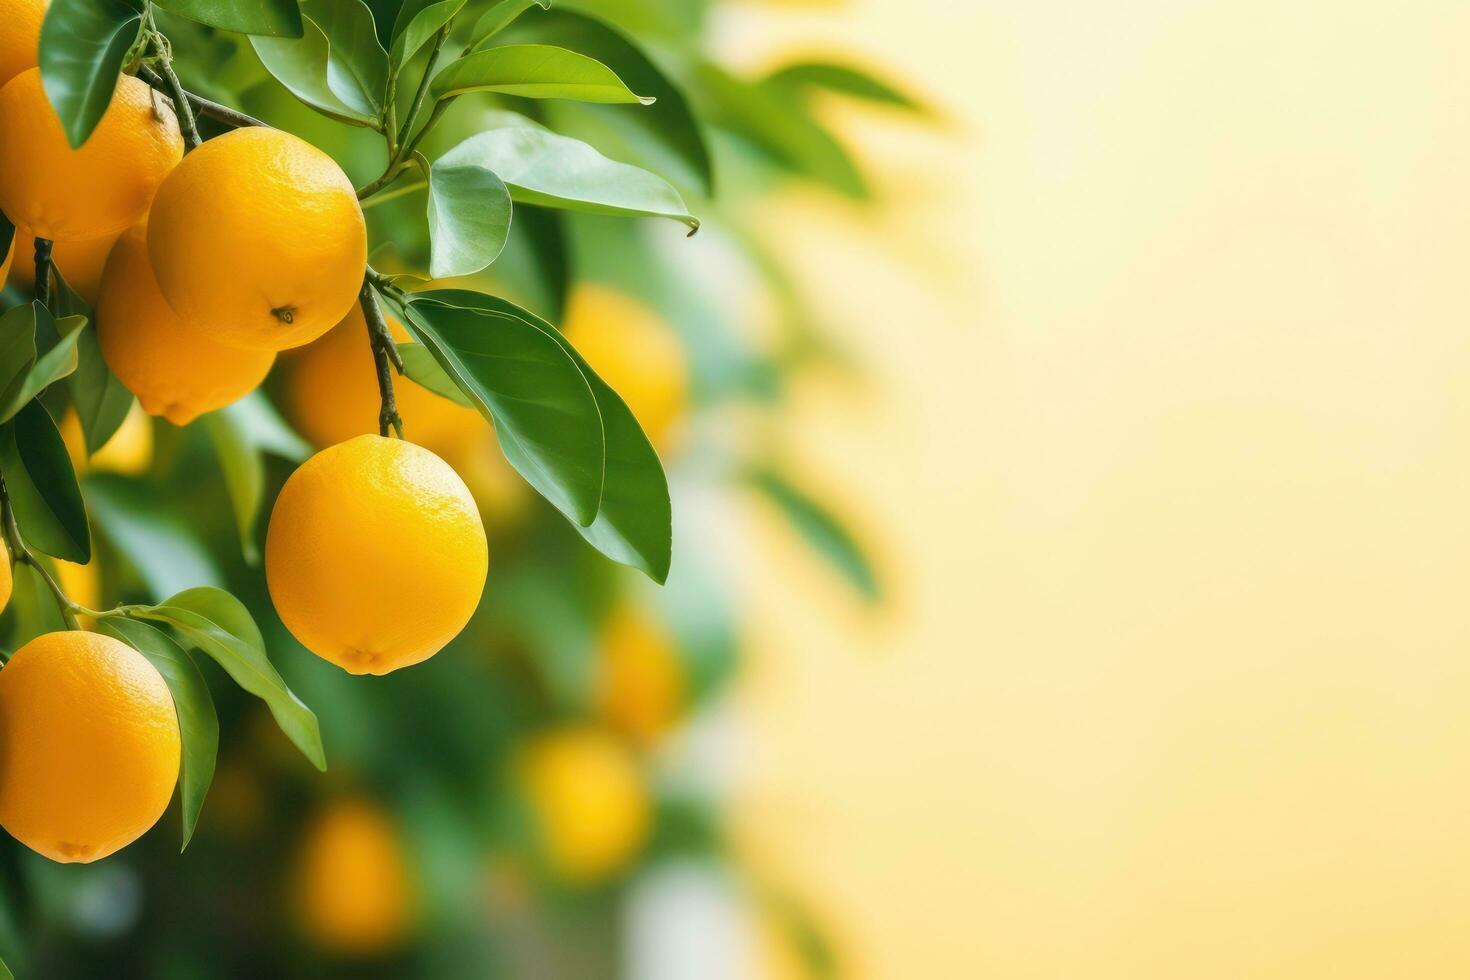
(1168, 457)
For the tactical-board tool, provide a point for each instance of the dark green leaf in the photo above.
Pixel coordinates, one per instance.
(56, 363)
(534, 71)
(312, 71)
(420, 367)
(276, 18)
(500, 15)
(357, 65)
(543, 409)
(102, 401)
(469, 215)
(42, 487)
(150, 534)
(7, 235)
(823, 531)
(843, 79)
(217, 623)
(17, 346)
(425, 23)
(543, 168)
(83, 45)
(198, 723)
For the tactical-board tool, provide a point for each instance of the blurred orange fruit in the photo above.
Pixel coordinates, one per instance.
(129, 451)
(353, 892)
(7, 582)
(20, 42)
(101, 187)
(640, 686)
(80, 262)
(258, 239)
(89, 745)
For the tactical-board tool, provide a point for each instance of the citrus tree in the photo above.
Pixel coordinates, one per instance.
(391, 273)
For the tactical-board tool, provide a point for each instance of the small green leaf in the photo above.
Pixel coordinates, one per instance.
(534, 71)
(276, 18)
(469, 216)
(543, 409)
(426, 22)
(56, 363)
(304, 65)
(499, 16)
(843, 79)
(102, 401)
(822, 530)
(198, 723)
(42, 486)
(150, 534)
(548, 170)
(220, 625)
(83, 45)
(420, 367)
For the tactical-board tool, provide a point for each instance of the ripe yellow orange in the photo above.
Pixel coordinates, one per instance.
(101, 187)
(176, 370)
(80, 262)
(375, 555)
(635, 351)
(353, 890)
(641, 683)
(257, 238)
(89, 745)
(7, 582)
(20, 42)
(589, 801)
(332, 394)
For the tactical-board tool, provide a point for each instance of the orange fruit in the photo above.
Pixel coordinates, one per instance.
(80, 262)
(353, 891)
(176, 370)
(97, 189)
(375, 556)
(640, 686)
(89, 745)
(588, 798)
(332, 394)
(20, 42)
(7, 581)
(257, 238)
(635, 351)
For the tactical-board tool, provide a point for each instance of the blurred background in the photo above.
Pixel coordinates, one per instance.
(1070, 552)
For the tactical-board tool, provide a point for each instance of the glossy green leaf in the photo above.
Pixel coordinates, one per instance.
(193, 704)
(543, 409)
(220, 625)
(17, 346)
(101, 400)
(420, 367)
(276, 18)
(150, 534)
(42, 486)
(357, 65)
(424, 24)
(634, 517)
(306, 66)
(534, 71)
(469, 215)
(822, 530)
(545, 169)
(843, 79)
(51, 366)
(499, 16)
(83, 46)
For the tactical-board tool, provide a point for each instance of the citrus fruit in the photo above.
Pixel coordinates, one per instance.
(80, 262)
(129, 451)
(81, 583)
(97, 189)
(257, 238)
(332, 393)
(89, 745)
(7, 582)
(588, 800)
(177, 370)
(353, 892)
(635, 351)
(375, 556)
(20, 42)
(640, 679)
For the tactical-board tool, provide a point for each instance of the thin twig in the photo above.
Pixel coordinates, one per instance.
(385, 357)
(182, 109)
(20, 554)
(203, 106)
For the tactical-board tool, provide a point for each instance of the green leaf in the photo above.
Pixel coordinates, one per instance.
(266, 428)
(634, 517)
(545, 169)
(543, 409)
(425, 23)
(198, 723)
(357, 65)
(499, 16)
(843, 79)
(17, 345)
(83, 45)
(469, 215)
(822, 530)
(42, 487)
(56, 363)
(276, 18)
(306, 66)
(147, 530)
(666, 136)
(33, 609)
(102, 401)
(5, 973)
(220, 625)
(244, 472)
(420, 367)
(534, 71)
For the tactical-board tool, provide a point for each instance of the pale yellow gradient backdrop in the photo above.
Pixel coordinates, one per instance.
(1168, 455)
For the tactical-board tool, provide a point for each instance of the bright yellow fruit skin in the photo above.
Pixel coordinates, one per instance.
(641, 681)
(635, 351)
(98, 189)
(80, 262)
(375, 556)
(20, 42)
(353, 891)
(7, 582)
(332, 394)
(89, 746)
(176, 370)
(589, 801)
(257, 237)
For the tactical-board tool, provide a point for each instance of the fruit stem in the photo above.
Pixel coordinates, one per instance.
(202, 106)
(43, 271)
(182, 109)
(385, 357)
